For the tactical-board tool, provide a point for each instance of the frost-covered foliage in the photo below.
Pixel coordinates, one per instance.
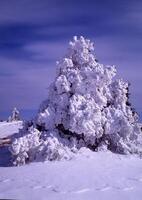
(40, 147)
(15, 115)
(25, 147)
(86, 107)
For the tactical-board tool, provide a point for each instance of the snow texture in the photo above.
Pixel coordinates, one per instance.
(96, 175)
(86, 107)
(7, 129)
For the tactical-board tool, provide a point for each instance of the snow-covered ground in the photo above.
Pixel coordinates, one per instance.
(101, 175)
(97, 176)
(9, 128)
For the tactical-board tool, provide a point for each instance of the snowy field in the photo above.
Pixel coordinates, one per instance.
(89, 176)
(9, 128)
(94, 176)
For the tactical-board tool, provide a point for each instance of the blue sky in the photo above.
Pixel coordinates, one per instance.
(34, 34)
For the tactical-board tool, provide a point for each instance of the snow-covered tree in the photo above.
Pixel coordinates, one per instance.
(86, 107)
(15, 115)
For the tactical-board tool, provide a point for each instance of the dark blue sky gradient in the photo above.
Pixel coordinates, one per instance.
(34, 34)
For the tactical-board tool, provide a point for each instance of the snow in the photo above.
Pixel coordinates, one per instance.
(15, 116)
(9, 128)
(101, 176)
(87, 110)
(86, 106)
(89, 175)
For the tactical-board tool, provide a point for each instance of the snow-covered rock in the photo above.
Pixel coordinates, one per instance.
(86, 107)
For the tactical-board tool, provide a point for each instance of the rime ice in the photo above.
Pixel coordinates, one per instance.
(86, 107)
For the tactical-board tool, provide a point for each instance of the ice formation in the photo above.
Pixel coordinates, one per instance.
(86, 107)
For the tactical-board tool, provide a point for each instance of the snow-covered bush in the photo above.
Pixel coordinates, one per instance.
(24, 148)
(15, 115)
(87, 106)
(36, 147)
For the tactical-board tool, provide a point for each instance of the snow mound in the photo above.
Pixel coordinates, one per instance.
(86, 107)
